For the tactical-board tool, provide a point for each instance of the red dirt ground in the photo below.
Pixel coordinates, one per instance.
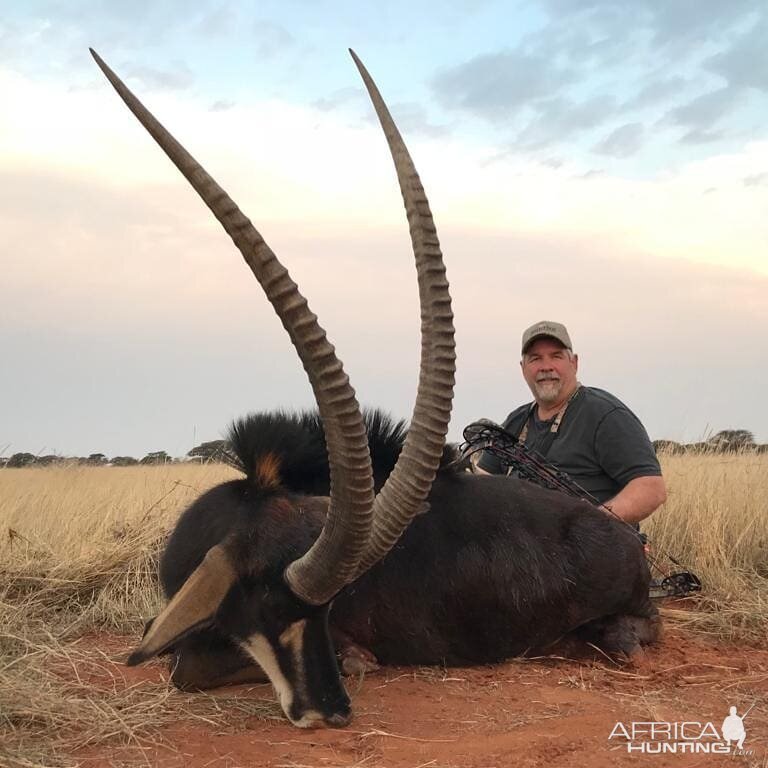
(540, 712)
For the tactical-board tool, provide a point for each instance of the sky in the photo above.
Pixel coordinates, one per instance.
(602, 163)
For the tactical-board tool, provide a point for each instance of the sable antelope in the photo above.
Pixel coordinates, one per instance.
(436, 567)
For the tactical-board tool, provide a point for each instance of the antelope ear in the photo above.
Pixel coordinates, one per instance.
(192, 607)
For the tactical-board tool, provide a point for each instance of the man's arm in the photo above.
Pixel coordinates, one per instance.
(638, 498)
(626, 454)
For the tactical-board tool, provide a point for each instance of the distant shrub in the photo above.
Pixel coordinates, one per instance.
(156, 457)
(668, 446)
(21, 460)
(124, 461)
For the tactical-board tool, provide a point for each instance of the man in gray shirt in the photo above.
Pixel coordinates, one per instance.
(583, 431)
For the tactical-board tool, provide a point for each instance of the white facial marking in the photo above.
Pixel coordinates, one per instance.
(292, 639)
(257, 646)
(310, 719)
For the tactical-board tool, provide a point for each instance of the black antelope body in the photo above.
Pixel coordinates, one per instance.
(424, 564)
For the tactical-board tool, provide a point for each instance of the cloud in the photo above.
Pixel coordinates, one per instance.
(177, 78)
(698, 136)
(339, 98)
(705, 110)
(571, 75)
(583, 41)
(412, 120)
(658, 91)
(689, 20)
(624, 141)
(756, 180)
(281, 163)
(221, 105)
(670, 24)
(594, 173)
(510, 88)
(745, 63)
(218, 22)
(9, 39)
(118, 30)
(271, 38)
(497, 86)
(561, 119)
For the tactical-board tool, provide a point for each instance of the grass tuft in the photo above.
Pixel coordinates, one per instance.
(714, 522)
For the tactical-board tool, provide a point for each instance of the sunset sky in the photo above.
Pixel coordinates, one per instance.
(603, 163)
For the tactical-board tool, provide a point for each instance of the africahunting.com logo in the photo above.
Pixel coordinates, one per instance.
(687, 737)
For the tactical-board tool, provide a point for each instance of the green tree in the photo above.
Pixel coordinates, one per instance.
(124, 461)
(156, 457)
(49, 460)
(732, 440)
(213, 450)
(667, 446)
(21, 460)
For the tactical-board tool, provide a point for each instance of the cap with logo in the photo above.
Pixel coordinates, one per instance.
(546, 329)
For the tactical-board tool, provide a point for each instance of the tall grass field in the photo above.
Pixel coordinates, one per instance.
(78, 555)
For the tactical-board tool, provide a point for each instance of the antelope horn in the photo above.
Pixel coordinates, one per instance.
(408, 485)
(333, 559)
(192, 607)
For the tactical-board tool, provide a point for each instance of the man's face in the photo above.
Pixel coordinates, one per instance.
(549, 369)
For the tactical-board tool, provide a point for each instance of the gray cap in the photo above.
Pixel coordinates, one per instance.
(543, 329)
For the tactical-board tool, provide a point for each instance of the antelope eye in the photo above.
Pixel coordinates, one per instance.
(281, 607)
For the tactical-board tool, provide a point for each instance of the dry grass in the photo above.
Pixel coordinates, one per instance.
(715, 522)
(59, 699)
(78, 551)
(82, 542)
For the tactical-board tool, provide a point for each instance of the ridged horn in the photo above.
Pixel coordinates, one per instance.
(192, 607)
(407, 487)
(333, 559)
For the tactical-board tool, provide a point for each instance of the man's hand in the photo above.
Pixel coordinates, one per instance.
(638, 498)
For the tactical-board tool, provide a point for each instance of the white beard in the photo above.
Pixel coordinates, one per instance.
(548, 391)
